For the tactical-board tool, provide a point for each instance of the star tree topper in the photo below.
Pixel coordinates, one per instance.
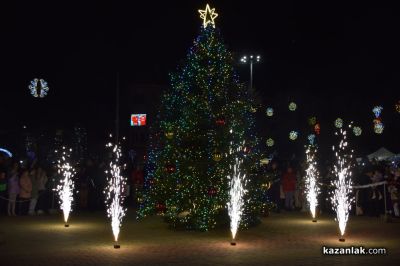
(208, 15)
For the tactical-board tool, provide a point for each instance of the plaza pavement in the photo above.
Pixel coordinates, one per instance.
(281, 239)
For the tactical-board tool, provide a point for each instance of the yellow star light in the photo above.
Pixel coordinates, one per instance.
(208, 15)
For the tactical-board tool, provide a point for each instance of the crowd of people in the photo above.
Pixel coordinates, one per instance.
(29, 187)
(372, 185)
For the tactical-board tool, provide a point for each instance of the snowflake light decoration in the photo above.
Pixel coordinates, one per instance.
(339, 123)
(357, 131)
(378, 128)
(293, 135)
(38, 84)
(270, 142)
(377, 111)
(312, 121)
(311, 139)
(397, 107)
(292, 106)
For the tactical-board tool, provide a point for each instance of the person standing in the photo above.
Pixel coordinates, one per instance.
(13, 189)
(35, 191)
(3, 189)
(41, 186)
(289, 186)
(25, 192)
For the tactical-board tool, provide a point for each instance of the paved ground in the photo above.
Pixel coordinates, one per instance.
(282, 239)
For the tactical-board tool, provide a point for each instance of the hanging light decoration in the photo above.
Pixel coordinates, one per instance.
(270, 111)
(292, 106)
(339, 123)
(270, 142)
(311, 139)
(38, 88)
(357, 131)
(293, 135)
(312, 121)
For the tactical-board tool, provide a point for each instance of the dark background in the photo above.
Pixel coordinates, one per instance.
(332, 59)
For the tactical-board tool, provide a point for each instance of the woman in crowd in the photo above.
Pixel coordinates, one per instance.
(13, 189)
(289, 186)
(41, 179)
(25, 192)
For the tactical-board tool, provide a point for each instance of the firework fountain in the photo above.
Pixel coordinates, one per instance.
(66, 187)
(236, 193)
(341, 199)
(115, 193)
(312, 188)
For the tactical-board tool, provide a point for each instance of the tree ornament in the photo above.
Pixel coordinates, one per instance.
(212, 191)
(220, 121)
(38, 84)
(160, 208)
(170, 168)
(217, 156)
(292, 106)
(270, 111)
(169, 135)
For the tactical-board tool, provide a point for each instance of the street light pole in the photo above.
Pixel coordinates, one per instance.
(250, 60)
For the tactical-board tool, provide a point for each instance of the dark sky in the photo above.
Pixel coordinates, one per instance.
(333, 59)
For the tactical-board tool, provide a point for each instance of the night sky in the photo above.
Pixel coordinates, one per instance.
(332, 59)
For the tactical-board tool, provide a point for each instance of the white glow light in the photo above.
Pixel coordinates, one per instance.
(236, 193)
(312, 188)
(341, 199)
(66, 187)
(114, 191)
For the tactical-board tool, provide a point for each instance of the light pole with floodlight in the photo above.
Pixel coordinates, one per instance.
(250, 60)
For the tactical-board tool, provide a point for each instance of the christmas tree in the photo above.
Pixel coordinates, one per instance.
(204, 114)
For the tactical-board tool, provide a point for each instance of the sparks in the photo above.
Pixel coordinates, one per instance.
(237, 191)
(341, 199)
(312, 188)
(66, 187)
(114, 191)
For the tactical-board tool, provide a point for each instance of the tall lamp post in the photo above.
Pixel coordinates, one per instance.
(252, 59)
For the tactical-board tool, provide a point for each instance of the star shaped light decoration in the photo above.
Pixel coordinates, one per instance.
(208, 15)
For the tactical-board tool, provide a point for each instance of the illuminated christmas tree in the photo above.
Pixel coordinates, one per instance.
(205, 110)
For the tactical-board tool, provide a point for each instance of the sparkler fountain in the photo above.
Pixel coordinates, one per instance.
(341, 199)
(312, 188)
(115, 193)
(66, 187)
(236, 202)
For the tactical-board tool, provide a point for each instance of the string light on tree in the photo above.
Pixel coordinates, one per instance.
(293, 135)
(38, 85)
(311, 182)
(114, 192)
(339, 123)
(237, 182)
(270, 111)
(292, 106)
(208, 15)
(341, 198)
(65, 189)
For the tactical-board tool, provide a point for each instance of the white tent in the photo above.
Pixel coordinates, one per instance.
(381, 155)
